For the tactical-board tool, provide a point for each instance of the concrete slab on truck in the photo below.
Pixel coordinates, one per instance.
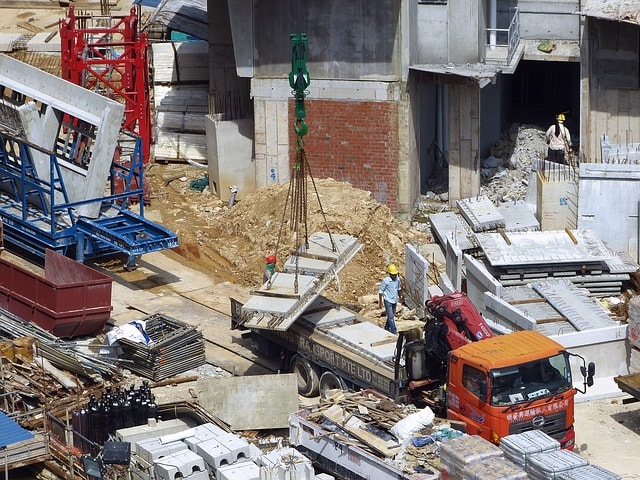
(281, 300)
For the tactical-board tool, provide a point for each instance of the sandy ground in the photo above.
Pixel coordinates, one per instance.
(608, 434)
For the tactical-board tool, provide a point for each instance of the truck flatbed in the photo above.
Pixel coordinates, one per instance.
(629, 384)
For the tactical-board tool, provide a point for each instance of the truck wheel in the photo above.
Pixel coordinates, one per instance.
(307, 376)
(330, 381)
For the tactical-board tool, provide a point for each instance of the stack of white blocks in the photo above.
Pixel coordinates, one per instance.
(216, 446)
(200, 452)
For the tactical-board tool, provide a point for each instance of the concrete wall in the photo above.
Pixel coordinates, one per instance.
(556, 205)
(271, 140)
(466, 31)
(358, 39)
(608, 204)
(464, 142)
(432, 39)
(549, 19)
(606, 111)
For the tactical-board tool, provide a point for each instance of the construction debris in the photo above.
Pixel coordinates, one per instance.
(363, 423)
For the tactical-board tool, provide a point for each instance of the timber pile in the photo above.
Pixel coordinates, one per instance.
(366, 419)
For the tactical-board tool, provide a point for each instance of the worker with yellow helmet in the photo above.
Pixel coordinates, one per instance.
(389, 294)
(559, 140)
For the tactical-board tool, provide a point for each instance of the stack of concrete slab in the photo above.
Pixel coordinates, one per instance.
(281, 300)
(479, 214)
(549, 307)
(519, 258)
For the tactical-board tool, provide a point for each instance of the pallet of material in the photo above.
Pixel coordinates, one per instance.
(180, 62)
(171, 146)
(175, 347)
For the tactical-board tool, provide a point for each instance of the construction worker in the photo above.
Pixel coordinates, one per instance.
(559, 140)
(270, 269)
(389, 294)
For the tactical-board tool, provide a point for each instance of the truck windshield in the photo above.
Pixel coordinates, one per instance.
(530, 381)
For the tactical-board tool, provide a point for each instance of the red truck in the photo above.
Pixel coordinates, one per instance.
(497, 385)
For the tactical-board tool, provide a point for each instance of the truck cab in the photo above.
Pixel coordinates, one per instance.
(511, 384)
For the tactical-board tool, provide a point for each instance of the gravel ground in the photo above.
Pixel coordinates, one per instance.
(608, 435)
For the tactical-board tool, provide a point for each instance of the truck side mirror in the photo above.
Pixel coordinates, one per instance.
(483, 390)
(587, 372)
(591, 371)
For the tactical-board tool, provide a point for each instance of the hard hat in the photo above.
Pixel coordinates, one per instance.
(393, 270)
(560, 117)
(271, 259)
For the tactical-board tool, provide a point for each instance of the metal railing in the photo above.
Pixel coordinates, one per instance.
(504, 39)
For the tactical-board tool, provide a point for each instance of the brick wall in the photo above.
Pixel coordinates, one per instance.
(355, 142)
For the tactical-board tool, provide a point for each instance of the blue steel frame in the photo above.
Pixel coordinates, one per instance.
(37, 213)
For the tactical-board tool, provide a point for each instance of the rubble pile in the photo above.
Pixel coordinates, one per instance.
(505, 174)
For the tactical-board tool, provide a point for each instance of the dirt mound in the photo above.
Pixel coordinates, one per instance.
(231, 243)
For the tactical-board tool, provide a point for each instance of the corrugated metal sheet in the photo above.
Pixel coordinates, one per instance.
(11, 431)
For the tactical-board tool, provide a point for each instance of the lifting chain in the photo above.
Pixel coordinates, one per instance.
(299, 81)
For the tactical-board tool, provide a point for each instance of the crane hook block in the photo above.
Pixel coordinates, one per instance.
(299, 79)
(301, 128)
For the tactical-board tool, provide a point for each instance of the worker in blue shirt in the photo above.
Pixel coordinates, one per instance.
(389, 295)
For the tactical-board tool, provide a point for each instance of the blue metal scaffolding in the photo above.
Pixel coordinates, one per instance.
(37, 213)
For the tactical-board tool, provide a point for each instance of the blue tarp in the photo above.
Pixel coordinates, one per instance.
(11, 431)
(147, 3)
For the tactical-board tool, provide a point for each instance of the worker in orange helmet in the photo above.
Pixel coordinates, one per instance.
(389, 294)
(270, 269)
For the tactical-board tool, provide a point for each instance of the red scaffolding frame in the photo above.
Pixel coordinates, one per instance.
(108, 54)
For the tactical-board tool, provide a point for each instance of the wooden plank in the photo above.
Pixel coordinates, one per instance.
(629, 384)
(30, 27)
(528, 300)
(358, 428)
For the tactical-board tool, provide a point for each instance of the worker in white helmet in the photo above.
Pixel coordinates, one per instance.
(559, 140)
(389, 294)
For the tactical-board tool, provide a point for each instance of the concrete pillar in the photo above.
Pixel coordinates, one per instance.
(464, 142)
(230, 157)
(271, 142)
(557, 203)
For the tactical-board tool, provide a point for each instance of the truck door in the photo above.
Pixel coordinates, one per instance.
(467, 398)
